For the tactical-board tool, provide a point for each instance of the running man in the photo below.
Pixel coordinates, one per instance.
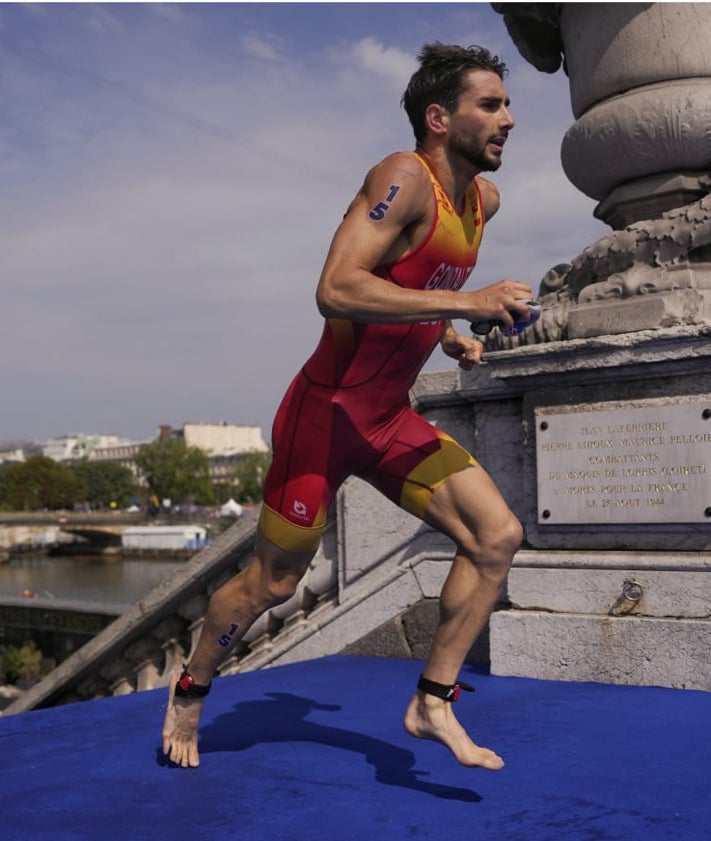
(389, 291)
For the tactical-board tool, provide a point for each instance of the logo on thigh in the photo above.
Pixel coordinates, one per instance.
(298, 509)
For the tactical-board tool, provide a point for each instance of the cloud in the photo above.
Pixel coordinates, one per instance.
(388, 63)
(100, 19)
(165, 213)
(262, 46)
(168, 11)
(166, 262)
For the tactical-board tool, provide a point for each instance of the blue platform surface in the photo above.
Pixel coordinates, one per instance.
(316, 751)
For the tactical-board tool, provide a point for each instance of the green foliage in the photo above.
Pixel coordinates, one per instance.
(23, 663)
(39, 483)
(249, 475)
(175, 471)
(105, 482)
(4, 476)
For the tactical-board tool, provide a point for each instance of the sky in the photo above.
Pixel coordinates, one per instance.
(170, 180)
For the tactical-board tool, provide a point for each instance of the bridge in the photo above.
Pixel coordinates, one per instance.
(72, 518)
(101, 537)
(102, 530)
(40, 529)
(59, 627)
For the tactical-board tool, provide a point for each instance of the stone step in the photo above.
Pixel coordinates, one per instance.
(633, 650)
(624, 591)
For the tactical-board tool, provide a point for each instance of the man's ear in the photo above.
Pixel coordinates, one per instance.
(437, 119)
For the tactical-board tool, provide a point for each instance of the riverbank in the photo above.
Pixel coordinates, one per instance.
(60, 603)
(9, 693)
(100, 532)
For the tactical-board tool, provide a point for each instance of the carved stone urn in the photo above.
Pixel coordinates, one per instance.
(640, 87)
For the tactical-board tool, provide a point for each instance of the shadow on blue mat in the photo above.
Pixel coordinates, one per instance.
(283, 720)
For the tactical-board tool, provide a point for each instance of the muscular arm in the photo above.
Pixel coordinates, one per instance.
(381, 225)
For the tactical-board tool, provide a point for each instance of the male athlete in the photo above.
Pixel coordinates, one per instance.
(388, 291)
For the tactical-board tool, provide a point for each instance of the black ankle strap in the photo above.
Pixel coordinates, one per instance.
(187, 688)
(448, 692)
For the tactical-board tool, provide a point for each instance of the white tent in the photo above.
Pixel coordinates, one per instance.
(231, 509)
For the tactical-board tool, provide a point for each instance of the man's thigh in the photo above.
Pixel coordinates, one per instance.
(468, 506)
(417, 463)
(315, 449)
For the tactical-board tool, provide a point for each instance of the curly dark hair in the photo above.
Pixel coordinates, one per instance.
(439, 79)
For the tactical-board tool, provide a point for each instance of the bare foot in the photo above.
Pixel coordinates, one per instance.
(180, 728)
(429, 717)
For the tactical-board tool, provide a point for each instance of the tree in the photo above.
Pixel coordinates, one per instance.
(40, 483)
(5, 476)
(23, 663)
(249, 475)
(174, 471)
(105, 482)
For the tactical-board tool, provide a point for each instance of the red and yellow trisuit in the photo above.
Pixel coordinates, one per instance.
(348, 409)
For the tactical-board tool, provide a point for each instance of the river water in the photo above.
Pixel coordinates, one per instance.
(108, 580)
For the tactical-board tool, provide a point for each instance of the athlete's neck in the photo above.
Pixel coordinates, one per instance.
(453, 176)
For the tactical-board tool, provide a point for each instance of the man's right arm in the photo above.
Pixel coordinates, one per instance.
(395, 201)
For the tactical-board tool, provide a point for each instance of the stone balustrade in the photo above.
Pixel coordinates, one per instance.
(140, 648)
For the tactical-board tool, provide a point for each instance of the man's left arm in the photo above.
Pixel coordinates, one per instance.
(465, 349)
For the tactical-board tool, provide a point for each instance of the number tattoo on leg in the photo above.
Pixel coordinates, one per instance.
(226, 639)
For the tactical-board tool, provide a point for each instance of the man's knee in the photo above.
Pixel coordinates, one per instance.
(278, 575)
(260, 586)
(495, 547)
(510, 537)
(278, 591)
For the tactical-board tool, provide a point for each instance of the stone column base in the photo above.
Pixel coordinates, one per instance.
(641, 312)
(649, 198)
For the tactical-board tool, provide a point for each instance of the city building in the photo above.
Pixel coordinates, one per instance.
(123, 453)
(78, 447)
(15, 455)
(219, 439)
(225, 444)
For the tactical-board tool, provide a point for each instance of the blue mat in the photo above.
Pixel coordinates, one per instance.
(316, 752)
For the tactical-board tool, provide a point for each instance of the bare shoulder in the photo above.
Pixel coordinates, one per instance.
(404, 167)
(400, 181)
(489, 196)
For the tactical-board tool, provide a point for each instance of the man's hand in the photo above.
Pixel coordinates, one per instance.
(504, 301)
(466, 350)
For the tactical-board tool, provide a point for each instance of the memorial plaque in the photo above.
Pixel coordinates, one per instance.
(625, 462)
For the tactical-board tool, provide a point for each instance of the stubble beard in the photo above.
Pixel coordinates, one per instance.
(475, 155)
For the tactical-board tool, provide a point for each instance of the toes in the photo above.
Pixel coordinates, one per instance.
(185, 755)
(491, 761)
(189, 756)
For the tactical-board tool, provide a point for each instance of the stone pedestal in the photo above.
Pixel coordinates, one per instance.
(640, 89)
(616, 587)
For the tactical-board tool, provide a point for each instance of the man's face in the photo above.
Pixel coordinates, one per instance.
(480, 125)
